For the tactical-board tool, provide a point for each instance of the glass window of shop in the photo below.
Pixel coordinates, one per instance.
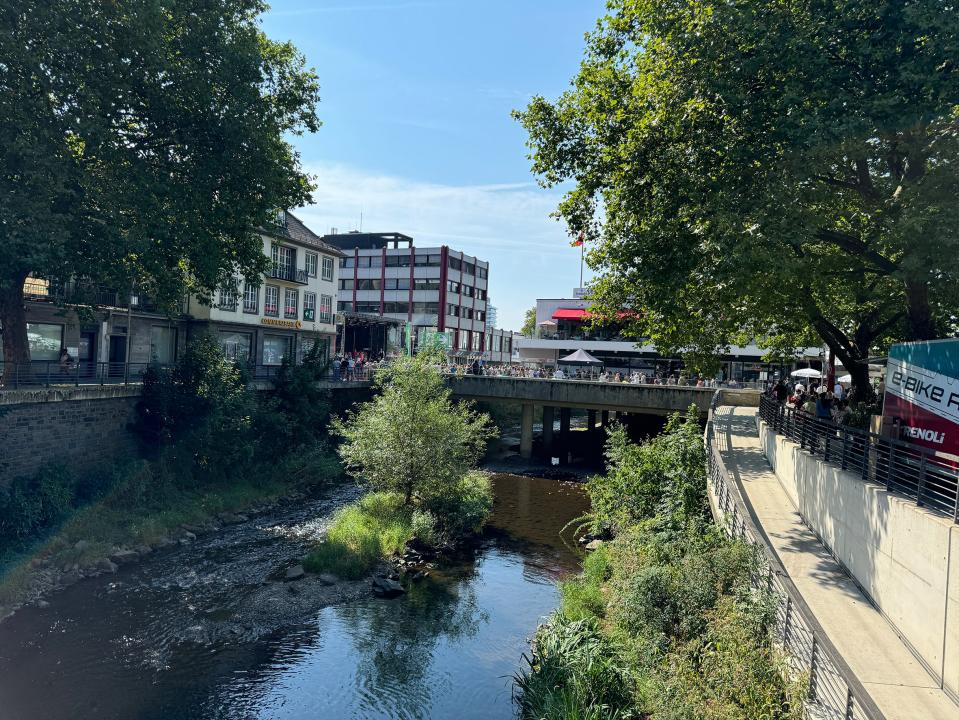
(44, 341)
(275, 348)
(236, 346)
(464, 339)
(162, 344)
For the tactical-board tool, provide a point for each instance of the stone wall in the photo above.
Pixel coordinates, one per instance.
(83, 428)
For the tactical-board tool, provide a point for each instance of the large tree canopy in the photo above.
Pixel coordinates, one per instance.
(142, 141)
(776, 169)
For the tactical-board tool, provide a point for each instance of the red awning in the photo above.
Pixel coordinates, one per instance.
(570, 314)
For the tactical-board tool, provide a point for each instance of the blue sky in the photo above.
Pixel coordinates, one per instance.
(417, 131)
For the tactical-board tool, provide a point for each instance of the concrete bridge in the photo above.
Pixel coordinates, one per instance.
(595, 397)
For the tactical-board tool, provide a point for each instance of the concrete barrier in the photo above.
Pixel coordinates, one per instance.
(904, 557)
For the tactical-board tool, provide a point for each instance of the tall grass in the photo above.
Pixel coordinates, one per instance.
(363, 534)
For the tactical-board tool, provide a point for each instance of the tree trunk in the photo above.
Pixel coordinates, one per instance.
(13, 321)
(861, 390)
(919, 321)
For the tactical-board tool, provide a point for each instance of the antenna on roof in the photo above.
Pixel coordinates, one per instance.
(361, 220)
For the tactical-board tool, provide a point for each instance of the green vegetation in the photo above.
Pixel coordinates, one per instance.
(738, 167)
(149, 176)
(529, 323)
(663, 622)
(414, 448)
(212, 444)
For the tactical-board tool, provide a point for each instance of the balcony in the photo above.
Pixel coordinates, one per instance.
(278, 272)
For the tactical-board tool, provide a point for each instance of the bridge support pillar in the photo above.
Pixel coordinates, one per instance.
(591, 420)
(604, 418)
(548, 420)
(526, 437)
(564, 426)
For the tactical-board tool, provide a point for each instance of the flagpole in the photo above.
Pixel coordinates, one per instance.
(582, 251)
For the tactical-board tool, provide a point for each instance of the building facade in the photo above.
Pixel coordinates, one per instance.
(281, 314)
(286, 312)
(563, 326)
(432, 289)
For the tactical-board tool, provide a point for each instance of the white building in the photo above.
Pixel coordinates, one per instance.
(285, 312)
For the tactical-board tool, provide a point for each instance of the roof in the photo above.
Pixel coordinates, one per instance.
(580, 357)
(296, 231)
(367, 241)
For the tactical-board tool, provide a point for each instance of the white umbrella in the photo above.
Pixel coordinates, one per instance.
(548, 323)
(806, 373)
(580, 357)
(844, 379)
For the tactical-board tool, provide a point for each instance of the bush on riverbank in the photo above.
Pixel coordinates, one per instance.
(378, 525)
(212, 444)
(666, 610)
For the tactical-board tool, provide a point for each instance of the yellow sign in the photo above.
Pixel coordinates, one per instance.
(276, 322)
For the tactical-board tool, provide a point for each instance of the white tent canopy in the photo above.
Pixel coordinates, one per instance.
(806, 373)
(580, 357)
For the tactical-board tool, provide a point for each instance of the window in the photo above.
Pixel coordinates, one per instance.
(427, 261)
(397, 284)
(275, 348)
(468, 290)
(368, 284)
(347, 262)
(480, 315)
(455, 264)
(309, 306)
(468, 313)
(376, 261)
(291, 303)
(489, 341)
(397, 261)
(162, 344)
(344, 306)
(312, 260)
(469, 268)
(453, 287)
(271, 301)
(482, 272)
(346, 284)
(326, 309)
(426, 308)
(284, 262)
(426, 284)
(453, 310)
(236, 346)
(370, 308)
(251, 298)
(465, 339)
(396, 308)
(327, 268)
(228, 299)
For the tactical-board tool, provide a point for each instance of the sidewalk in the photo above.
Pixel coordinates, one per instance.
(897, 682)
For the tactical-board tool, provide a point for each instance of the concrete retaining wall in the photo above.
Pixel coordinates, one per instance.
(905, 558)
(84, 428)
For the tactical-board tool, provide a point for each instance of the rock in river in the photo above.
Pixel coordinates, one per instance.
(295, 573)
(386, 588)
(328, 578)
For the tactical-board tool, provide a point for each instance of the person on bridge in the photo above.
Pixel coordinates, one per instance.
(781, 392)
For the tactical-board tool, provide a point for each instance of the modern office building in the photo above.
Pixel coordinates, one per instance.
(426, 289)
(492, 320)
(563, 326)
(286, 312)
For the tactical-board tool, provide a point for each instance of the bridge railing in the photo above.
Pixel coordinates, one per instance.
(834, 692)
(902, 468)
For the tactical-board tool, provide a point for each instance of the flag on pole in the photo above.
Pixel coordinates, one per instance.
(580, 239)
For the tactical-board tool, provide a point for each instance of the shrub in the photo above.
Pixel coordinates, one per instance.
(583, 595)
(362, 534)
(461, 508)
(424, 527)
(34, 503)
(575, 672)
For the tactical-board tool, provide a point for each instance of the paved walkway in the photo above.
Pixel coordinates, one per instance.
(898, 684)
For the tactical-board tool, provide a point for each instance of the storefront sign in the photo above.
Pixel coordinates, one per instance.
(276, 322)
(922, 393)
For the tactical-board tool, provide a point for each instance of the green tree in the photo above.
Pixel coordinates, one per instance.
(142, 142)
(412, 438)
(770, 170)
(529, 323)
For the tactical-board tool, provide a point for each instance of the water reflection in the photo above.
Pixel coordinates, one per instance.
(446, 649)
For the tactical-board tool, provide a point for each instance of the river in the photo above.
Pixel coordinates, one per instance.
(202, 632)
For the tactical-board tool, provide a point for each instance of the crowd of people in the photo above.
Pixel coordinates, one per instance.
(820, 402)
(477, 367)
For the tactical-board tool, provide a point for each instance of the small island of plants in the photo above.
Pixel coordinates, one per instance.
(415, 451)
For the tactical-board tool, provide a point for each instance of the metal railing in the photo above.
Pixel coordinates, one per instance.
(903, 468)
(290, 274)
(54, 374)
(834, 692)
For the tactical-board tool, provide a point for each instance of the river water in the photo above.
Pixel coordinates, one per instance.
(202, 632)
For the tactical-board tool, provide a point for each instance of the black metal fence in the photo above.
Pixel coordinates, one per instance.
(53, 373)
(901, 467)
(834, 692)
